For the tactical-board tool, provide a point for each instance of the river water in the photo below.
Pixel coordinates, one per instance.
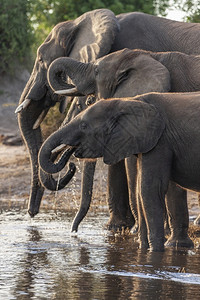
(40, 259)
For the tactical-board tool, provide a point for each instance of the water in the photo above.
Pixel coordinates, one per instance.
(40, 259)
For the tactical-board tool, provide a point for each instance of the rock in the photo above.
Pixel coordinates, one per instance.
(11, 140)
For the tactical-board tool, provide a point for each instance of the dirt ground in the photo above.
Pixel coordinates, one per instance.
(15, 178)
(15, 172)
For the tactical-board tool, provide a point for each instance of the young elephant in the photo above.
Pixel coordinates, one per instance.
(162, 129)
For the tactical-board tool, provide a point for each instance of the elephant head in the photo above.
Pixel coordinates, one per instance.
(112, 129)
(88, 37)
(125, 73)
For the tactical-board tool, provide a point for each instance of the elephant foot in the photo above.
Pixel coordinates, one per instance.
(197, 220)
(156, 244)
(174, 242)
(152, 248)
(158, 248)
(143, 244)
(116, 224)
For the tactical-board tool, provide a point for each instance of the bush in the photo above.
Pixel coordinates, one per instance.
(15, 34)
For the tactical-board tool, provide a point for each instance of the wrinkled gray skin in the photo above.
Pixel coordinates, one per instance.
(166, 140)
(129, 73)
(156, 34)
(76, 39)
(86, 38)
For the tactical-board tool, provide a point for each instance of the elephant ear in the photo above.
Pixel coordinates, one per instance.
(92, 35)
(154, 75)
(135, 128)
(149, 75)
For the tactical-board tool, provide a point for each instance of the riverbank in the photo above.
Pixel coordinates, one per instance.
(15, 177)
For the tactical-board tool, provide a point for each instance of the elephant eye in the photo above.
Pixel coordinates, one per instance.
(40, 59)
(96, 71)
(42, 63)
(78, 106)
(123, 76)
(83, 126)
(90, 100)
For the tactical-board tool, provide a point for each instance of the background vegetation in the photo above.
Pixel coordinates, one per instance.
(24, 24)
(16, 35)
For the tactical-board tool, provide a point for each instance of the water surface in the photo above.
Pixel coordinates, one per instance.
(40, 259)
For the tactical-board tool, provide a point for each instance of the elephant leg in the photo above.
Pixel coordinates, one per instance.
(151, 207)
(197, 220)
(142, 228)
(86, 193)
(118, 198)
(131, 170)
(153, 180)
(166, 222)
(177, 209)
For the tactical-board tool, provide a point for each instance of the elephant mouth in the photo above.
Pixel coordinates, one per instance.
(79, 152)
(61, 149)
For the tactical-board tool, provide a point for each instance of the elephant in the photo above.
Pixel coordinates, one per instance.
(129, 73)
(161, 129)
(126, 73)
(87, 38)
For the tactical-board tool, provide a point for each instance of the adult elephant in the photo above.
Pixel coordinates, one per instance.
(77, 40)
(88, 37)
(166, 140)
(128, 73)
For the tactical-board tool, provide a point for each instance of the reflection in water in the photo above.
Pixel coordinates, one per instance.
(39, 259)
(32, 260)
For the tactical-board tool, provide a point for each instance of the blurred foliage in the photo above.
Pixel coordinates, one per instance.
(52, 121)
(16, 36)
(191, 8)
(195, 18)
(24, 24)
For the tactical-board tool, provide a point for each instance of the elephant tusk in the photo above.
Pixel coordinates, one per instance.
(23, 105)
(40, 118)
(58, 148)
(66, 92)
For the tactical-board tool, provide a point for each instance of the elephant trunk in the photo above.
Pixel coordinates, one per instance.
(33, 139)
(51, 184)
(86, 192)
(64, 67)
(45, 154)
(30, 110)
